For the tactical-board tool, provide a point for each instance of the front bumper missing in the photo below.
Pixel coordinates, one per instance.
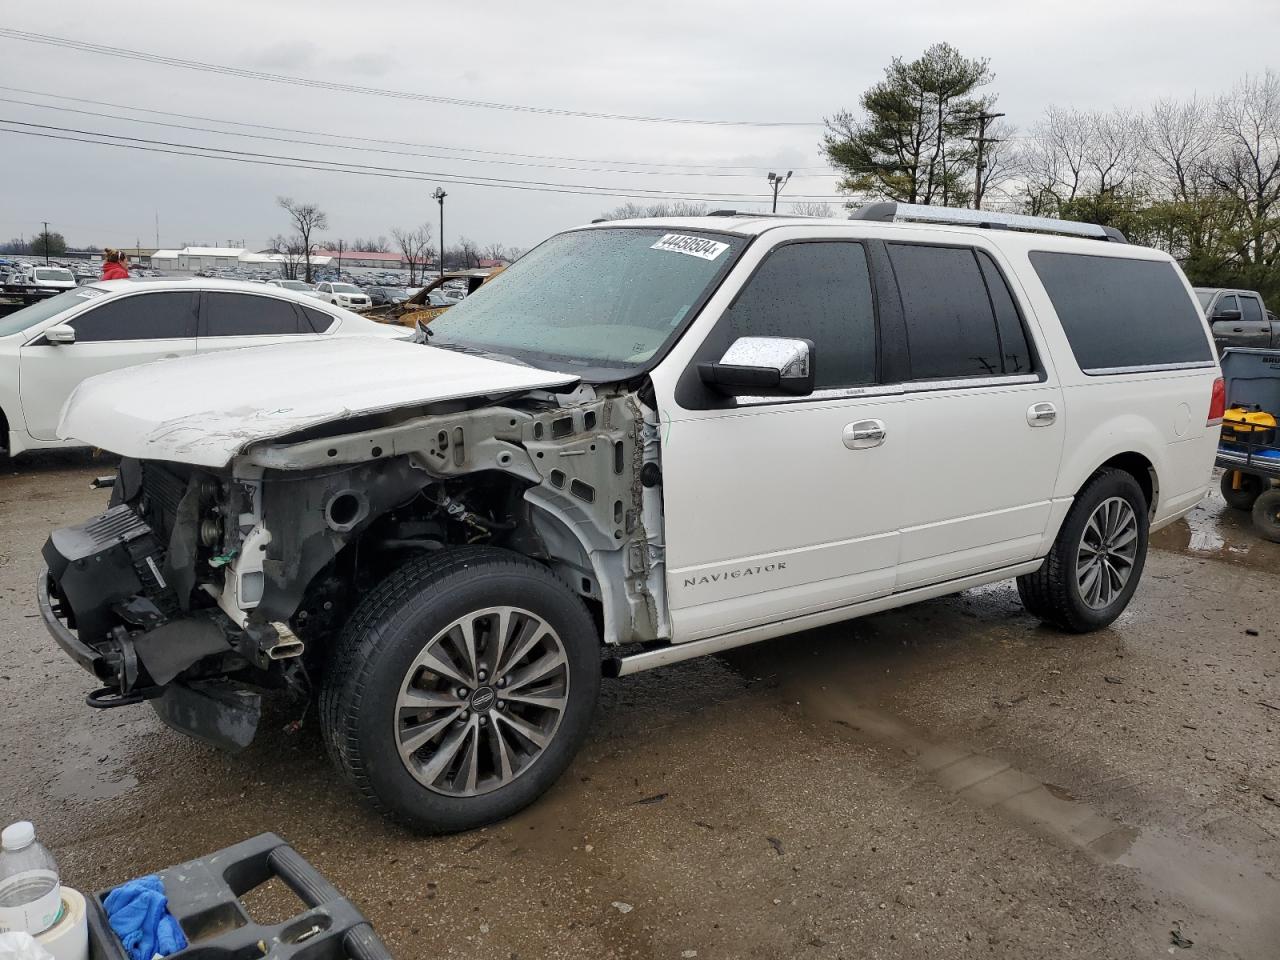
(71, 645)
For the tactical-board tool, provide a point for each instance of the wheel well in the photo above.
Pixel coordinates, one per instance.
(4, 433)
(1140, 468)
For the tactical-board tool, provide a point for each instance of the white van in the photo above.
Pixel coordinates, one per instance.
(645, 441)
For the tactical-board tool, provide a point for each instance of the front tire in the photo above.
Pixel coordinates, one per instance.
(461, 689)
(1095, 564)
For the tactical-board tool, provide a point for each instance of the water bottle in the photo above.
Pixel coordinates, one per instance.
(30, 893)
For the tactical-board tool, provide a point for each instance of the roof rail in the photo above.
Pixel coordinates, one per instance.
(891, 212)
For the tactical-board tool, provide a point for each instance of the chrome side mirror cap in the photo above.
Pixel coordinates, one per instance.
(760, 366)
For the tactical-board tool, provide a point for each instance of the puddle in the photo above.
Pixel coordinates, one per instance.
(1227, 883)
(88, 768)
(1215, 531)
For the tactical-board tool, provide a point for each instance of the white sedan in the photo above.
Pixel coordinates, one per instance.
(47, 348)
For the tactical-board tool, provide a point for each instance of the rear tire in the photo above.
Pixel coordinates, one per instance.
(461, 688)
(1095, 564)
(1251, 487)
(1266, 515)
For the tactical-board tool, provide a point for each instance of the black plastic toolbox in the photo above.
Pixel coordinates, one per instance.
(204, 896)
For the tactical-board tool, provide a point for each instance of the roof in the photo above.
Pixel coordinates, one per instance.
(368, 255)
(213, 251)
(166, 254)
(751, 225)
(216, 284)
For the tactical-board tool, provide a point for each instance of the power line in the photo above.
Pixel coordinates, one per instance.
(225, 70)
(302, 163)
(346, 146)
(394, 143)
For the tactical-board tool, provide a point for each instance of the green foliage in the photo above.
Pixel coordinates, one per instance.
(910, 144)
(50, 244)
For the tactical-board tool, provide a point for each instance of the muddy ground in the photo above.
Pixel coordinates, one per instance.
(950, 780)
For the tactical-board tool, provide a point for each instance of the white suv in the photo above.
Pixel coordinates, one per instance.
(644, 442)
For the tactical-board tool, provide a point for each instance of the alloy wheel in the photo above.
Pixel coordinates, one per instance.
(482, 701)
(1107, 552)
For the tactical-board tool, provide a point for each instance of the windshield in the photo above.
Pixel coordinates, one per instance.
(44, 309)
(53, 273)
(1204, 296)
(346, 288)
(609, 297)
(294, 285)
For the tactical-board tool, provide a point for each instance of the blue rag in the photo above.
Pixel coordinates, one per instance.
(139, 914)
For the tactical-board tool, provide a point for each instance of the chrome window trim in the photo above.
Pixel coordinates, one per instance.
(889, 390)
(1149, 368)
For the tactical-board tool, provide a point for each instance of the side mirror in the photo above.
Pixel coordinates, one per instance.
(762, 366)
(60, 333)
(1231, 316)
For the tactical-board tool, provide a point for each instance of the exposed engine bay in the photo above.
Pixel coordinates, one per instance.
(200, 589)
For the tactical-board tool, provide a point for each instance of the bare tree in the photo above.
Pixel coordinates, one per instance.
(469, 251)
(290, 251)
(813, 208)
(1247, 165)
(1001, 163)
(414, 245)
(639, 211)
(496, 251)
(307, 219)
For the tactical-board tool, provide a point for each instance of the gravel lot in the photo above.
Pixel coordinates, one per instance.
(951, 780)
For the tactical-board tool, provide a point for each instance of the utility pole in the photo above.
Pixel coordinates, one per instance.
(777, 182)
(439, 196)
(46, 241)
(157, 229)
(340, 243)
(981, 140)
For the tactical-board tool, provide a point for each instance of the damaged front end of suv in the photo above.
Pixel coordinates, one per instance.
(432, 542)
(200, 588)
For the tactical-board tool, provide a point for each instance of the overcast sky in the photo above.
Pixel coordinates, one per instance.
(713, 59)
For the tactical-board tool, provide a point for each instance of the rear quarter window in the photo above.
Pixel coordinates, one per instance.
(1119, 312)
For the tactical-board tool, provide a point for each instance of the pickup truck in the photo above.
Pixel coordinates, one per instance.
(1239, 318)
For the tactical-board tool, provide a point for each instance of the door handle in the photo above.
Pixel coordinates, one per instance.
(1041, 414)
(863, 434)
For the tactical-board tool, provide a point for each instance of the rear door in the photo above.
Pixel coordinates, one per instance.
(981, 415)
(1257, 329)
(231, 319)
(1231, 329)
(120, 332)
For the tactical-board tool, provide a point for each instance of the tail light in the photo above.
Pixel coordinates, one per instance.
(1217, 403)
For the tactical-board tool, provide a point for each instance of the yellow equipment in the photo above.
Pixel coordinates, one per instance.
(1239, 422)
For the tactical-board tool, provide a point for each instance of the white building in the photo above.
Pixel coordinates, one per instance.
(196, 259)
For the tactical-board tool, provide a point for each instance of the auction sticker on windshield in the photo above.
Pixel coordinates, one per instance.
(694, 246)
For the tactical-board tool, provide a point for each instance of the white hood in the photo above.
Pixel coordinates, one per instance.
(205, 409)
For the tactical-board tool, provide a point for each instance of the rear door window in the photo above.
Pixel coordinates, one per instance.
(163, 315)
(1251, 309)
(818, 291)
(1228, 302)
(1119, 312)
(950, 314)
(246, 315)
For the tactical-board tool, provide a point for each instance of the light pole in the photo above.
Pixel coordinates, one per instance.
(340, 242)
(439, 196)
(777, 182)
(46, 242)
